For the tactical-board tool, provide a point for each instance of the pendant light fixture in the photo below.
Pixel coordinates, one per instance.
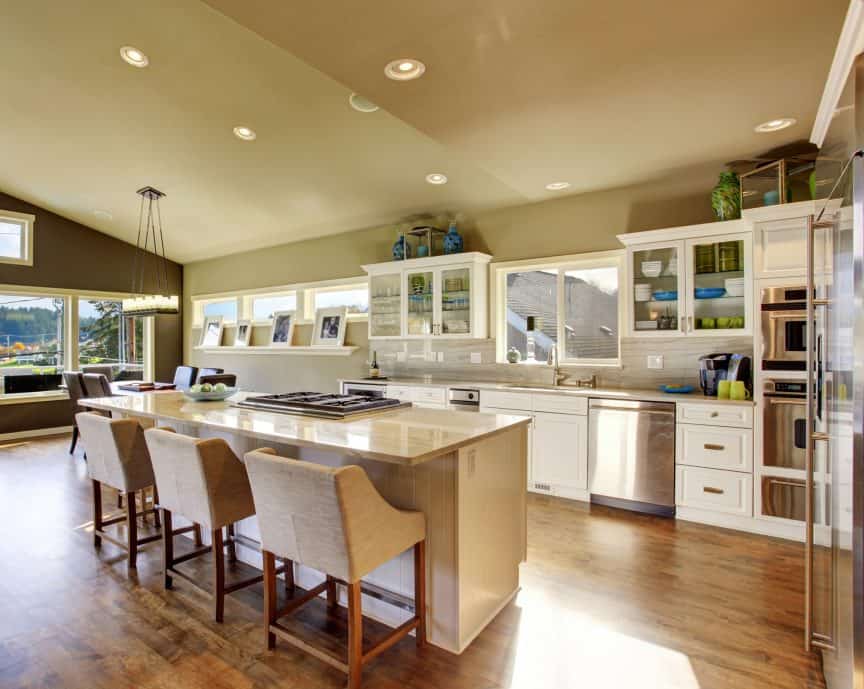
(150, 227)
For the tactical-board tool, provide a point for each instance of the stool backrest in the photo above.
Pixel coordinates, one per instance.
(202, 480)
(97, 385)
(327, 518)
(116, 451)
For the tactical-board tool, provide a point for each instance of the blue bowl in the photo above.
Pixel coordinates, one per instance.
(709, 292)
(677, 389)
(671, 295)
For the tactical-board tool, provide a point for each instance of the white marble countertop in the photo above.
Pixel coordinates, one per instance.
(405, 436)
(606, 393)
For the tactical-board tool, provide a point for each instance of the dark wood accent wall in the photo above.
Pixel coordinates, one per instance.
(69, 255)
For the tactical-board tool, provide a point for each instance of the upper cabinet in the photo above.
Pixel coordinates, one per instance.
(780, 238)
(693, 281)
(434, 297)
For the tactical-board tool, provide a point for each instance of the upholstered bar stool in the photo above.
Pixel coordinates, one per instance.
(117, 457)
(205, 482)
(335, 521)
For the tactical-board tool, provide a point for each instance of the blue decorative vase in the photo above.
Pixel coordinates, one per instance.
(401, 250)
(452, 241)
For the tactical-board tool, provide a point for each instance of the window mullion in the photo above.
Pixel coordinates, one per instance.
(70, 347)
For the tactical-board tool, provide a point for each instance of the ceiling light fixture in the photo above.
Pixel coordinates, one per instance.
(404, 69)
(134, 56)
(774, 125)
(245, 133)
(361, 104)
(436, 178)
(558, 186)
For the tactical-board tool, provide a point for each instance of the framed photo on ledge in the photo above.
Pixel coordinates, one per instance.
(211, 332)
(330, 327)
(244, 334)
(282, 330)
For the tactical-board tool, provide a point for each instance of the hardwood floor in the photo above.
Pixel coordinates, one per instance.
(609, 599)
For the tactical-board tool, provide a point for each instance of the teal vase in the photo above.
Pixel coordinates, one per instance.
(452, 241)
(726, 197)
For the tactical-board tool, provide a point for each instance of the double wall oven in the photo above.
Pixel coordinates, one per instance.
(784, 328)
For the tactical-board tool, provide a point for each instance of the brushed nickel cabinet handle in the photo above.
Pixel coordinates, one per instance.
(712, 446)
(711, 489)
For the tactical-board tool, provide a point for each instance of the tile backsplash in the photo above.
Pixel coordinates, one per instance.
(452, 360)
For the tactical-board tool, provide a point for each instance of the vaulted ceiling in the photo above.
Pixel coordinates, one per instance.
(515, 95)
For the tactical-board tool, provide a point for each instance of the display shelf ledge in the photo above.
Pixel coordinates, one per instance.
(311, 350)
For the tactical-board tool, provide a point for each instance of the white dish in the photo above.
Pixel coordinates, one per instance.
(646, 325)
(735, 287)
(651, 269)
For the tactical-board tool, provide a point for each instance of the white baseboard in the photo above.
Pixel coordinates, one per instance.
(764, 527)
(35, 433)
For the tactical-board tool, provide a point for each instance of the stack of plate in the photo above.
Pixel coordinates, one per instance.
(642, 292)
(651, 269)
(735, 287)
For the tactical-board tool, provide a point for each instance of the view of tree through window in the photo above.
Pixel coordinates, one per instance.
(31, 342)
(105, 336)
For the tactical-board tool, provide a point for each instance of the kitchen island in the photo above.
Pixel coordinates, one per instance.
(467, 472)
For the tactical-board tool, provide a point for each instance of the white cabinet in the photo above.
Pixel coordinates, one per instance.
(695, 281)
(728, 492)
(781, 248)
(435, 297)
(419, 396)
(560, 450)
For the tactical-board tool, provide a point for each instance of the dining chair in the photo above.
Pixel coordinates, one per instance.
(74, 382)
(105, 369)
(208, 372)
(184, 376)
(97, 385)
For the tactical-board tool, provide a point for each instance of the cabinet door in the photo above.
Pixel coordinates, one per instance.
(656, 290)
(456, 301)
(420, 303)
(781, 248)
(720, 285)
(385, 305)
(560, 453)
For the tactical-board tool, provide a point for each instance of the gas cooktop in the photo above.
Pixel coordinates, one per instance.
(329, 405)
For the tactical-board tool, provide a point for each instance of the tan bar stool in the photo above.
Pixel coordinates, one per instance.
(205, 482)
(117, 456)
(335, 521)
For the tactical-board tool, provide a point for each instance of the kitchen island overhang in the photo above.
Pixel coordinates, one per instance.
(467, 472)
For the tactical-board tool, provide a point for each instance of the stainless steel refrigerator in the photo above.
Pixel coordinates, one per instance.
(835, 414)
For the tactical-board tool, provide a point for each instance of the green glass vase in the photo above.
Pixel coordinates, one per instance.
(726, 197)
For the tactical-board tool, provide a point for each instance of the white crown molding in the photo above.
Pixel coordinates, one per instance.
(850, 45)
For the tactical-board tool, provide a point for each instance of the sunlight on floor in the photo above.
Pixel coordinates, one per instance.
(562, 649)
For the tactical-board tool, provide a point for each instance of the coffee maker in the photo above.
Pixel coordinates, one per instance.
(716, 367)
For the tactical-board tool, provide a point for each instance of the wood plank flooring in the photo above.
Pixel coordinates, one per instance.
(609, 600)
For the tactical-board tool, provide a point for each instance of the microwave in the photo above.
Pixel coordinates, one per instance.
(784, 328)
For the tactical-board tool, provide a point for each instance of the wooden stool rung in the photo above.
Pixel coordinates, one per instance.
(332, 660)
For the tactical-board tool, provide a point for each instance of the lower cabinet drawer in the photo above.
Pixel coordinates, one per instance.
(429, 396)
(714, 447)
(720, 414)
(399, 392)
(714, 489)
(506, 400)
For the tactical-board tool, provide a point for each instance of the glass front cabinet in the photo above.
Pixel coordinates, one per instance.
(435, 297)
(697, 282)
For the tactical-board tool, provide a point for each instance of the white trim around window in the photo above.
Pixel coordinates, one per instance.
(26, 222)
(598, 259)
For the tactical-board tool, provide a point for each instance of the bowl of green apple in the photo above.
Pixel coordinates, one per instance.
(205, 392)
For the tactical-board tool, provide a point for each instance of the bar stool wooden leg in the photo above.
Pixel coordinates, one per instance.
(270, 597)
(355, 637)
(197, 532)
(332, 593)
(219, 573)
(157, 519)
(97, 513)
(232, 546)
(167, 549)
(132, 529)
(420, 592)
(289, 576)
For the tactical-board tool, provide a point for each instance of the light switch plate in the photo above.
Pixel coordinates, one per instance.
(476, 358)
(655, 361)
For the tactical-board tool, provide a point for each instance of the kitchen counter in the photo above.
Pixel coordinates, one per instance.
(607, 393)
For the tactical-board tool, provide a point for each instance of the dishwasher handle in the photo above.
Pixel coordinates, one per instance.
(642, 407)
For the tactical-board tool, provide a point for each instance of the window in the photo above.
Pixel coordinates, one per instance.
(31, 342)
(354, 297)
(106, 337)
(227, 308)
(573, 303)
(16, 238)
(263, 307)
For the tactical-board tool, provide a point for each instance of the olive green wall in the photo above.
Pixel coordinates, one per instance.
(68, 255)
(571, 224)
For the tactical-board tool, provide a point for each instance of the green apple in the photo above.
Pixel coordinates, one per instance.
(220, 387)
(195, 388)
(206, 387)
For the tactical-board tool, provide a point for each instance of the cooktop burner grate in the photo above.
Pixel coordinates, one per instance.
(320, 403)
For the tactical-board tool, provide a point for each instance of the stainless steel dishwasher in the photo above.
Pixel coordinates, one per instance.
(631, 455)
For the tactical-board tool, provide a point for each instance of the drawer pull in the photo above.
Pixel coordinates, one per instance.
(712, 446)
(711, 489)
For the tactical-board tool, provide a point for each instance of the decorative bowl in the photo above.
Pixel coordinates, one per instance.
(211, 396)
(677, 389)
(666, 295)
(709, 292)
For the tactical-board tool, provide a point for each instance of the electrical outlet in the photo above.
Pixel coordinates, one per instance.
(440, 356)
(476, 358)
(655, 361)
(401, 356)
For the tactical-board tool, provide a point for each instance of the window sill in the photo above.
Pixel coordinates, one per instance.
(311, 350)
(30, 397)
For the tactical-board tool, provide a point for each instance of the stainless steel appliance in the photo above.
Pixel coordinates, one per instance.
(784, 328)
(324, 404)
(463, 399)
(784, 424)
(375, 390)
(784, 497)
(631, 455)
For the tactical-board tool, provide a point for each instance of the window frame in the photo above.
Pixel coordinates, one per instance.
(334, 286)
(199, 304)
(561, 264)
(26, 222)
(149, 358)
(247, 303)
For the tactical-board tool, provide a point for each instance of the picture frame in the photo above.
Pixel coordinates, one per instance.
(330, 324)
(211, 331)
(243, 334)
(282, 328)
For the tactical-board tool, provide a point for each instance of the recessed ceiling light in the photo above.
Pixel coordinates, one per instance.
(404, 69)
(105, 215)
(244, 133)
(558, 186)
(361, 104)
(775, 125)
(436, 178)
(134, 56)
